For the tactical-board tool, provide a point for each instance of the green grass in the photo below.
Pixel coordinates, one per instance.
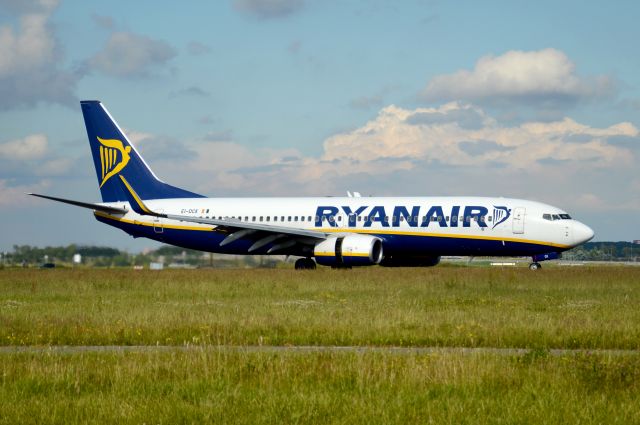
(590, 308)
(593, 308)
(211, 386)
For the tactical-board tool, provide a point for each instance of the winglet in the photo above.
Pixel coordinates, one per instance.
(134, 200)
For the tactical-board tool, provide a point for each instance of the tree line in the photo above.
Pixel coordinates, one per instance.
(102, 256)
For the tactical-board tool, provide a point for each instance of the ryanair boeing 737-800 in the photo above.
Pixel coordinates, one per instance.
(338, 232)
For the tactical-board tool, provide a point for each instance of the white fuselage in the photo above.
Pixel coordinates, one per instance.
(460, 224)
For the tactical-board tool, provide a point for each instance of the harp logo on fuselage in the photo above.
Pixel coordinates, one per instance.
(114, 156)
(500, 215)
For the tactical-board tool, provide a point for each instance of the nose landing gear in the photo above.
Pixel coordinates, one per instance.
(535, 260)
(534, 266)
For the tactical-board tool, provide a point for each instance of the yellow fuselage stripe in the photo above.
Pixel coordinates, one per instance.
(441, 235)
(151, 224)
(344, 254)
(349, 230)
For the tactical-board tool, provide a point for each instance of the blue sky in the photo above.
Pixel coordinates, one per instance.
(538, 100)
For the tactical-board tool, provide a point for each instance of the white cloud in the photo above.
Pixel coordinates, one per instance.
(132, 55)
(55, 167)
(29, 6)
(268, 9)
(105, 22)
(396, 134)
(452, 149)
(29, 148)
(546, 75)
(12, 196)
(196, 48)
(30, 60)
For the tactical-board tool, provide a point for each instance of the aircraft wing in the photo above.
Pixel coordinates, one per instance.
(262, 234)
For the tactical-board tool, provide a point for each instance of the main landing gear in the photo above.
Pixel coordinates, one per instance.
(534, 266)
(305, 264)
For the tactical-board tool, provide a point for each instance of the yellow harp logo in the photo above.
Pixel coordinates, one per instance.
(114, 156)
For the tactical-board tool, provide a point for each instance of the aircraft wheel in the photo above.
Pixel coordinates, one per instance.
(534, 266)
(305, 264)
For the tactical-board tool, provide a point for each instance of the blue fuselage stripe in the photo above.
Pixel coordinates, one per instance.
(394, 244)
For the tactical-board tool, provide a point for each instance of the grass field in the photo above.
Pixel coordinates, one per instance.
(589, 308)
(449, 306)
(251, 388)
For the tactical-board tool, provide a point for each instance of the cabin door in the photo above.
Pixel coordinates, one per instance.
(158, 223)
(518, 220)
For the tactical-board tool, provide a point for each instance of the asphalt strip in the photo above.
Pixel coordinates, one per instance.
(77, 349)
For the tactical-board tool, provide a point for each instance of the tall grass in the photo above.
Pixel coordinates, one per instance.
(217, 386)
(449, 306)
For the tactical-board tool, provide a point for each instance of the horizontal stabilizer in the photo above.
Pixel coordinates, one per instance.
(96, 207)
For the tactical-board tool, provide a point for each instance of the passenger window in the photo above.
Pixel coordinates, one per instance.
(339, 218)
(309, 218)
(275, 218)
(289, 218)
(489, 219)
(295, 218)
(301, 218)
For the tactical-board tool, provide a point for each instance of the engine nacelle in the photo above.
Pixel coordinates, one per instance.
(350, 250)
(417, 261)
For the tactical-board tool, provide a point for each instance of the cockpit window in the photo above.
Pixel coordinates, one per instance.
(552, 217)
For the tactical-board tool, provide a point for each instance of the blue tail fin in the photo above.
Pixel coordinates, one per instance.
(114, 155)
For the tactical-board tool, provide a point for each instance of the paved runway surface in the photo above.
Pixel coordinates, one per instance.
(76, 349)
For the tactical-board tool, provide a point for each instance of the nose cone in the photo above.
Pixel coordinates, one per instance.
(581, 233)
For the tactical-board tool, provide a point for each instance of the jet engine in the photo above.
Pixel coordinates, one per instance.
(348, 251)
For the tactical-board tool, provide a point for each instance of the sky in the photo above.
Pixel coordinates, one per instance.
(534, 100)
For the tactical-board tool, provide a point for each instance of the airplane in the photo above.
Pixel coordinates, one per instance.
(341, 232)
